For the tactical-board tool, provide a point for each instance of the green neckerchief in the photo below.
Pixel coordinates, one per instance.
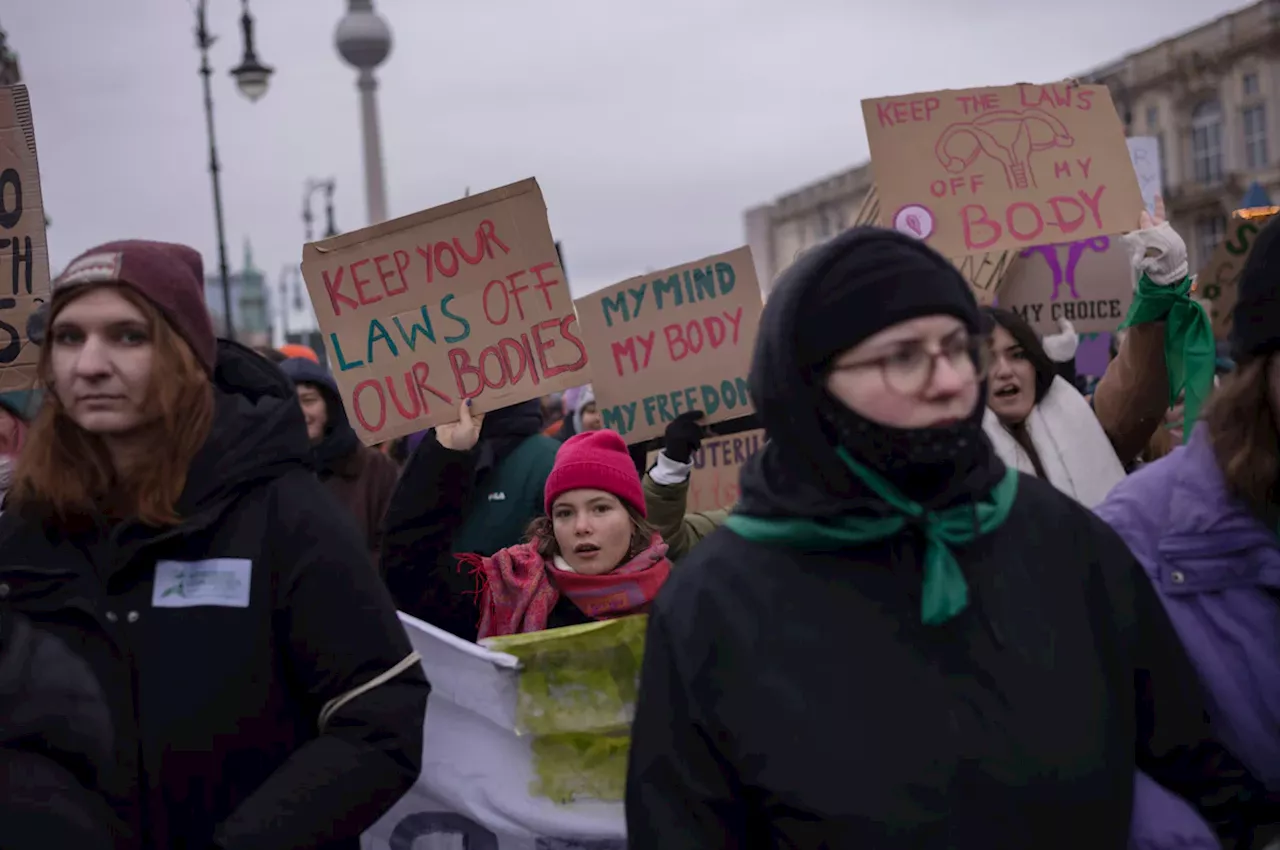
(1190, 355)
(945, 592)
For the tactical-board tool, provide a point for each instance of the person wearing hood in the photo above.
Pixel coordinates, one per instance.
(896, 640)
(360, 478)
(1202, 521)
(591, 554)
(1040, 424)
(585, 415)
(164, 524)
(55, 744)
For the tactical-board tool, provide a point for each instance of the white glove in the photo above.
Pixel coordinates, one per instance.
(1061, 347)
(1159, 252)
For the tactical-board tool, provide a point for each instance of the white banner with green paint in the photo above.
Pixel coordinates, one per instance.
(525, 741)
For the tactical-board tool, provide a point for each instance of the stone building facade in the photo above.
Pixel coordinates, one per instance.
(1211, 97)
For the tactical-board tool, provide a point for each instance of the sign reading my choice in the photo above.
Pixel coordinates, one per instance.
(463, 301)
(1003, 168)
(673, 341)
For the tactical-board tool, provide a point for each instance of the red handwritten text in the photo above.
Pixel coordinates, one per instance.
(1026, 221)
(511, 359)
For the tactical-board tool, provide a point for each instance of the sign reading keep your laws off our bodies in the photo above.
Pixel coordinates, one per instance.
(463, 301)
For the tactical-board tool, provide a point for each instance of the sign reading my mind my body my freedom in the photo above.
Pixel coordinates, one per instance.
(1006, 168)
(673, 341)
(463, 301)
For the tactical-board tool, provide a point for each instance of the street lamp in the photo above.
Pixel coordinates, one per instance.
(312, 187)
(252, 78)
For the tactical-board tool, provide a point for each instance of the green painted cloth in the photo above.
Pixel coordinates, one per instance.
(576, 699)
(945, 592)
(1190, 355)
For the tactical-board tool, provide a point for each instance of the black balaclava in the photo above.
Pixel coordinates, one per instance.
(834, 297)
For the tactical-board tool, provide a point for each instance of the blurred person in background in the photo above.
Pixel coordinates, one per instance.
(164, 524)
(360, 478)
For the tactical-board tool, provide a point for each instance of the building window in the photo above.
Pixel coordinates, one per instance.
(1153, 117)
(1251, 85)
(1255, 136)
(1210, 231)
(1206, 142)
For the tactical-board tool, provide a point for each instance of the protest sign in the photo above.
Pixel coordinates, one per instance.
(713, 481)
(983, 271)
(1088, 282)
(1004, 168)
(24, 254)
(525, 740)
(673, 341)
(1144, 153)
(1217, 282)
(463, 301)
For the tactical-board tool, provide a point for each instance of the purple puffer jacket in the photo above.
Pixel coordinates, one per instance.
(1214, 566)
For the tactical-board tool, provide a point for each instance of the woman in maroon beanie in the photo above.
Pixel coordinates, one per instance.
(163, 523)
(594, 556)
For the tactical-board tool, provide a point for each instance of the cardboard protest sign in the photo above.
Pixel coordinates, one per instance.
(24, 253)
(1216, 283)
(672, 341)
(1003, 168)
(463, 301)
(1144, 152)
(713, 482)
(1088, 282)
(983, 271)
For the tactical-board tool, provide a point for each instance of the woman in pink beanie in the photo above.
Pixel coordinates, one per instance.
(594, 556)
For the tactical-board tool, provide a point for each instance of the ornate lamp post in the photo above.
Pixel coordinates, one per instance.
(252, 77)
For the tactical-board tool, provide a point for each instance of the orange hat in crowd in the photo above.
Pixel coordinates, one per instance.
(305, 352)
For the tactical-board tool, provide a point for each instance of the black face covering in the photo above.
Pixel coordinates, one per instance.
(926, 464)
(832, 298)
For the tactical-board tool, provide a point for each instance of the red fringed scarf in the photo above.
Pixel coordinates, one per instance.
(517, 589)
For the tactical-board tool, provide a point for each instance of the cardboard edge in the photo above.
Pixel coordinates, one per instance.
(316, 250)
(1070, 82)
(658, 272)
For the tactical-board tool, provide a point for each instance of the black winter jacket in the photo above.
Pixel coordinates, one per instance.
(219, 641)
(794, 698)
(55, 742)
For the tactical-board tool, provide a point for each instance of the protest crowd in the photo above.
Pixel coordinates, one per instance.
(867, 562)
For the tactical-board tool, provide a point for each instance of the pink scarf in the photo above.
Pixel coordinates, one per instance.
(517, 589)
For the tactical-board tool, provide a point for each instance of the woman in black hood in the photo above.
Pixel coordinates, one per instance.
(896, 641)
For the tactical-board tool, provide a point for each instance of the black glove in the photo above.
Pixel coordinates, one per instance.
(683, 436)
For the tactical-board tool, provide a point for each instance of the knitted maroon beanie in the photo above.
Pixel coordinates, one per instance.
(170, 276)
(596, 460)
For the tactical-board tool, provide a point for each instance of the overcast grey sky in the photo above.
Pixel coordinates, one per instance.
(650, 125)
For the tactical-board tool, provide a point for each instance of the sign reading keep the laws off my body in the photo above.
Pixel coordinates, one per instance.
(1004, 168)
(463, 301)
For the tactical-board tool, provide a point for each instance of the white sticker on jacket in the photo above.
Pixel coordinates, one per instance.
(222, 582)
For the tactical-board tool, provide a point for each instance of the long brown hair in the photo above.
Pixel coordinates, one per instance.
(66, 472)
(1242, 429)
(542, 534)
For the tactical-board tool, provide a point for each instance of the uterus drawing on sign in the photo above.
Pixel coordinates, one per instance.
(1075, 250)
(1009, 136)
